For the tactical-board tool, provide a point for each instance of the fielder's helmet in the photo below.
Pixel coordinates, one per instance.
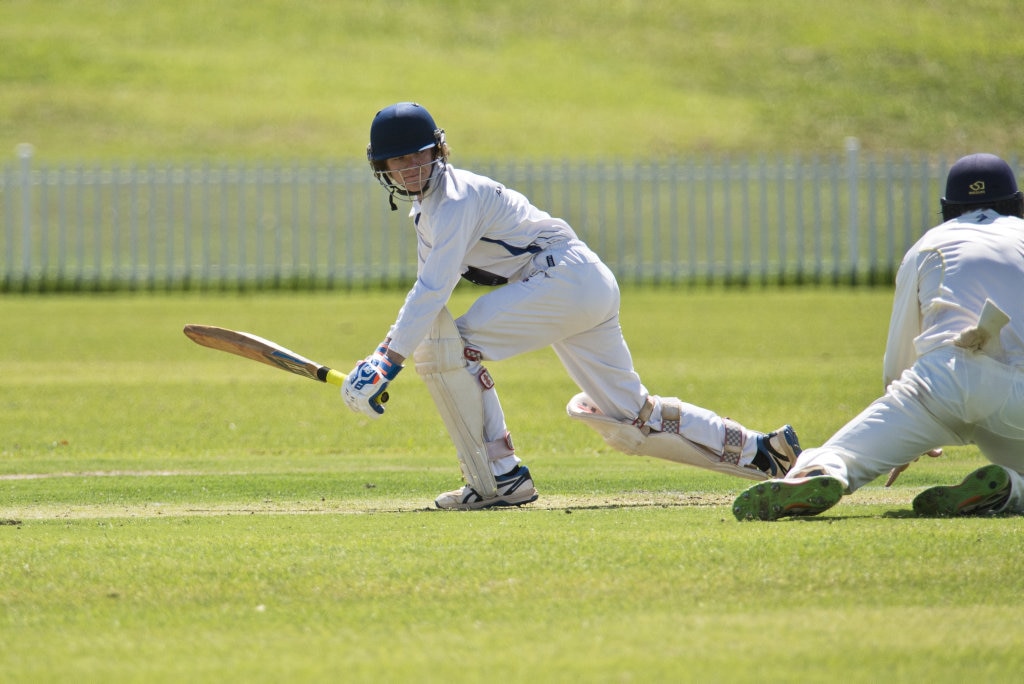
(402, 129)
(981, 180)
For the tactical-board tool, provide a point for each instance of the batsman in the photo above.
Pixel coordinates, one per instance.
(546, 288)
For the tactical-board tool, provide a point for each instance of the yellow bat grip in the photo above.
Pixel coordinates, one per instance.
(336, 378)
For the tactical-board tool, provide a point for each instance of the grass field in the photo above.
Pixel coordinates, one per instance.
(255, 79)
(171, 513)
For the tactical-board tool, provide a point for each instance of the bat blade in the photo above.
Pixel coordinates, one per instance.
(258, 349)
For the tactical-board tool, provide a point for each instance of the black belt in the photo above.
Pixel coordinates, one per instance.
(479, 276)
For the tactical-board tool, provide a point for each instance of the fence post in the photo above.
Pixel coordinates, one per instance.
(24, 152)
(852, 149)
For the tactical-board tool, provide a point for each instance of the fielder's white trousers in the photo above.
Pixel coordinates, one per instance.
(570, 303)
(951, 396)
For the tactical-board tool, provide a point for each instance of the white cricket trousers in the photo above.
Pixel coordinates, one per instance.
(950, 396)
(570, 303)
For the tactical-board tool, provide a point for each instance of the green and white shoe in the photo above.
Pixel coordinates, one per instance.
(776, 499)
(983, 491)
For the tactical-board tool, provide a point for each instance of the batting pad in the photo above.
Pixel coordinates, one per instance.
(441, 362)
(669, 446)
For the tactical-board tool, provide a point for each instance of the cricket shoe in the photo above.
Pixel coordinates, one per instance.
(515, 488)
(985, 490)
(776, 499)
(777, 452)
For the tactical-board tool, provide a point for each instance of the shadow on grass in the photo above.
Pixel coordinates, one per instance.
(912, 514)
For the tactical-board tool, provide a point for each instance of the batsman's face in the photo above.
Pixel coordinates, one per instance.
(411, 171)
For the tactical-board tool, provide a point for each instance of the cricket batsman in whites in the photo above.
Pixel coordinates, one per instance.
(547, 288)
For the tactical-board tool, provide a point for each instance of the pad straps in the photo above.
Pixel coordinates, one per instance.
(734, 438)
(644, 415)
(671, 416)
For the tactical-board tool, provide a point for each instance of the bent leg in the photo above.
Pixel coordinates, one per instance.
(892, 431)
(463, 392)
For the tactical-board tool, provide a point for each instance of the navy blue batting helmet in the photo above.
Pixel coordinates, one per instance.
(401, 129)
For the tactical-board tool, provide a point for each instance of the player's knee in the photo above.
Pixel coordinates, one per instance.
(434, 356)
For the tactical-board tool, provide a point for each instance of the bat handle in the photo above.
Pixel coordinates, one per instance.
(337, 378)
(331, 376)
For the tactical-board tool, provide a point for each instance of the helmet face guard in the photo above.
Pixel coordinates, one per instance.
(418, 176)
(402, 129)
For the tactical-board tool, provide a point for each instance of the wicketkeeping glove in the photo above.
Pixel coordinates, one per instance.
(364, 388)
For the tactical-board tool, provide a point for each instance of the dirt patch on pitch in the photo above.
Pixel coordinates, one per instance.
(625, 500)
(899, 498)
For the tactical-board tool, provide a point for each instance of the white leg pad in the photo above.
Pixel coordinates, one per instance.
(670, 446)
(441, 362)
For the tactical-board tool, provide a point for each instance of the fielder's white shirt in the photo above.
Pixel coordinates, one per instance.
(468, 220)
(943, 281)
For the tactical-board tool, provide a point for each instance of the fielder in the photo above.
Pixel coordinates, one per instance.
(953, 369)
(550, 289)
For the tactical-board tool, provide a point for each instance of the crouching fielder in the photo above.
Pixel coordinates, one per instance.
(954, 365)
(549, 289)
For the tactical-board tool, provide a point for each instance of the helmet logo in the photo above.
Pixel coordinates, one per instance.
(976, 188)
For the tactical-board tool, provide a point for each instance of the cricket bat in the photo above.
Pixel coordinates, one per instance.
(258, 349)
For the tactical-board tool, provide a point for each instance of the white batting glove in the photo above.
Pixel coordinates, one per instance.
(365, 387)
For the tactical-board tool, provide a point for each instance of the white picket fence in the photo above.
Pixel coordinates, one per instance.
(843, 218)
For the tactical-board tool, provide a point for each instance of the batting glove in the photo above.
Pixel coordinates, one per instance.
(365, 387)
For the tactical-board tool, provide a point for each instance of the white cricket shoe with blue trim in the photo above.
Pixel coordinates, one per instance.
(515, 488)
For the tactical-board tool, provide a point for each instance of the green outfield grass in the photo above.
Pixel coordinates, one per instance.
(256, 79)
(170, 513)
(173, 514)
